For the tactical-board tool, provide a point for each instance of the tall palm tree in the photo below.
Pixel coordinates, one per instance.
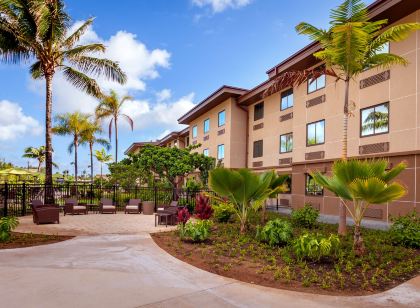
(39, 29)
(351, 45)
(110, 107)
(359, 184)
(102, 157)
(73, 124)
(36, 153)
(90, 138)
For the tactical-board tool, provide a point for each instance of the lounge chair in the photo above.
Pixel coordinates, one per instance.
(133, 206)
(72, 207)
(45, 213)
(106, 207)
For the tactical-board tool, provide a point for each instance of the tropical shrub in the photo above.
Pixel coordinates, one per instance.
(276, 232)
(203, 209)
(197, 231)
(405, 230)
(305, 217)
(7, 225)
(183, 216)
(193, 185)
(223, 212)
(314, 246)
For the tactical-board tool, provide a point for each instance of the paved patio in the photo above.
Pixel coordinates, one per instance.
(130, 270)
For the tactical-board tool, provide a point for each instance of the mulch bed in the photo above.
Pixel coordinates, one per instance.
(244, 258)
(20, 240)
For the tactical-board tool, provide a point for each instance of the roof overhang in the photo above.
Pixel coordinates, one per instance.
(214, 99)
(135, 145)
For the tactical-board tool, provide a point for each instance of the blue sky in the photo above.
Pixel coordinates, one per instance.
(176, 52)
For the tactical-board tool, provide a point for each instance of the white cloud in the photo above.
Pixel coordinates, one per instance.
(163, 95)
(221, 5)
(14, 123)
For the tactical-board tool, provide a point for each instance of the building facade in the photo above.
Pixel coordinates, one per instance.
(300, 129)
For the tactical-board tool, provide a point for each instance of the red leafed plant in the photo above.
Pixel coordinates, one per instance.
(203, 209)
(183, 216)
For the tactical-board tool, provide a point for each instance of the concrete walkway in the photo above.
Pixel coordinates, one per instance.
(132, 271)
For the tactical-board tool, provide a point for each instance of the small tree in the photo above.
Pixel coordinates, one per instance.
(102, 157)
(362, 183)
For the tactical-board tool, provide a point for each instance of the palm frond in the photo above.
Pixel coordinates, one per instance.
(36, 70)
(395, 33)
(76, 35)
(129, 120)
(83, 50)
(384, 61)
(82, 81)
(98, 67)
(314, 33)
(349, 11)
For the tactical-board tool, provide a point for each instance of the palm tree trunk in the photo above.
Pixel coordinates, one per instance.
(358, 245)
(75, 162)
(101, 176)
(91, 162)
(116, 139)
(342, 225)
(49, 197)
(39, 166)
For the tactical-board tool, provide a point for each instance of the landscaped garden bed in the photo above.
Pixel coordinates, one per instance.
(246, 258)
(20, 240)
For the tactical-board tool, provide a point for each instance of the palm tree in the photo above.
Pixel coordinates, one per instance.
(36, 153)
(102, 157)
(244, 189)
(90, 138)
(362, 183)
(39, 29)
(73, 124)
(350, 46)
(110, 107)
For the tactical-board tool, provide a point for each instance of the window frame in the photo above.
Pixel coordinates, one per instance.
(218, 151)
(317, 89)
(218, 118)
(204, 126)
(281, 99)
(370, 107)
(194, 128)
(206, 150)
(291, 133)
(262, 116)
(307, 125)
(262, 148)
(312, 194)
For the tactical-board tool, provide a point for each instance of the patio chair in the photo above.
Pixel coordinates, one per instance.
(133, 206)
(72, 207)
(106, 207)
(169, 212)
(45, 213)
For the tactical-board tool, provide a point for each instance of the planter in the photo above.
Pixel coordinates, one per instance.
(148, 207)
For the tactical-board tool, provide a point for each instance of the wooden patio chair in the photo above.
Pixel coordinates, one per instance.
(106, 206)
(45, 213)
(73, 207)
(133, 206)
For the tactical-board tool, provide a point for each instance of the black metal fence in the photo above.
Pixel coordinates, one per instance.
(15, 198)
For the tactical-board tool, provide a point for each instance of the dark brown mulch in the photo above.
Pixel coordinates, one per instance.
(20, 240)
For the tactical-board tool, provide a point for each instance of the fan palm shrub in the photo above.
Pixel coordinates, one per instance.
(360, 184)
(102, 157)
(244, 189)
(39, 30)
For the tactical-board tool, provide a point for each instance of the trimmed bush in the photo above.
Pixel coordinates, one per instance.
(405, 230)
(223, 212)
(276, 232)
(314, 247)
(305, 217)
(197, 231)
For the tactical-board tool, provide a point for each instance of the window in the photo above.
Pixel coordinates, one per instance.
(286, 99)
(316, 84)
(258, 149)
(312, 188)
(315, 133)
(206, 152)
(220, 151)
(206, 126)
(374, 120)
(221, 118)
(194, 131)
(286, 143)
(188, 141)
(259, 111)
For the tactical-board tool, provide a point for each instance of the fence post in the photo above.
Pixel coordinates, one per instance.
(115, 195)
(6, 195)
(155, 197)
(91, 193)
(277, 202)
(24, 199)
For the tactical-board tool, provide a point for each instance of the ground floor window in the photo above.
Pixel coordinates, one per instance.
(312, 188)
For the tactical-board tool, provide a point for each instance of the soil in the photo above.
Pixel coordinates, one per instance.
(20, 240)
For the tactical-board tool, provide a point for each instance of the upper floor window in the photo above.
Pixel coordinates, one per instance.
(374, 120)
(315, 133)
(286, 99)
(286, 143)
(194, 131)
(221, 118)
(258, 149)
(206, 125)
(259, 111)
(206, 152)
(220, 151)
(316, 83)
(312, 188)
